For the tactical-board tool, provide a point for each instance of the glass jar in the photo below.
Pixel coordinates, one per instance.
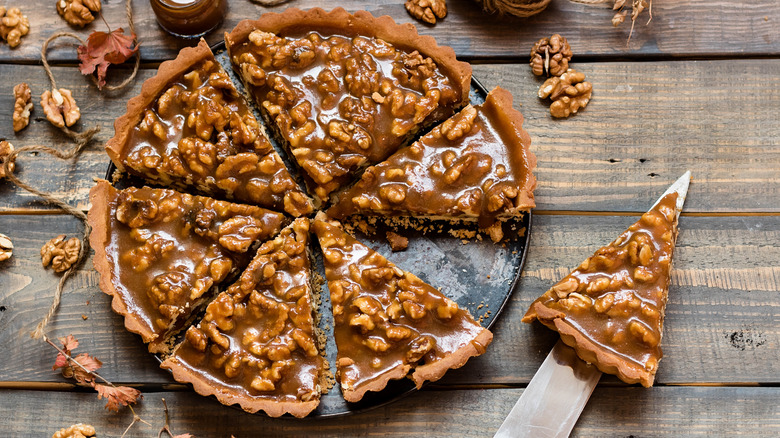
(189, 18)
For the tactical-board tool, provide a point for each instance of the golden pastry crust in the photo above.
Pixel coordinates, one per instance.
(359, 23)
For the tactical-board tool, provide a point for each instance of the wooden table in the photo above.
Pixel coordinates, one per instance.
(698, 89)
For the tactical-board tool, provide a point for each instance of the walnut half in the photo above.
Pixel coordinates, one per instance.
(60, 107)
(13, 26)
(6, 149)
(61, 254)
(427, 10)
(6, 248)
(569, 93)
(22, 106)
(78, 12)
(75, 431)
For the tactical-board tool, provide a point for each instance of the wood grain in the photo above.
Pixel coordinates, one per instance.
(646, 124)
(666, 412)
(682, 28)
(720, 327)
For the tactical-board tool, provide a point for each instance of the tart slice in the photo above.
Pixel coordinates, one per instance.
(387, 321)
(611, 308)
(160, 253)
(256, 344)
(344, 91)
(189, 127)
(476, 166)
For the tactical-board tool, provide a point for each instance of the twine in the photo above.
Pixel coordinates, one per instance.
(518, 8)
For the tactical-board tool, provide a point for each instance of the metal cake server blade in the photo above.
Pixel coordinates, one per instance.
(556, 395)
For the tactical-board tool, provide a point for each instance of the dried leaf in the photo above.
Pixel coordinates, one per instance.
(104, 49)
(69, 343)
(117, 396)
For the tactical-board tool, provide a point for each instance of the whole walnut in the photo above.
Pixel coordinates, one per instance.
(22, 106)
(551, 56)
(60, 107)
(78, 12)
(13, 26)
(6, 149)
(569, 93)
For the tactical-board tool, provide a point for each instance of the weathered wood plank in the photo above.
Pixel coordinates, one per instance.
(722, 323)
(683, 28)
(646, 125)
(670, 411)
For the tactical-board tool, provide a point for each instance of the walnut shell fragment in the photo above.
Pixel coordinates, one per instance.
(427, 10)
(22, 106)
(79, 12)
(6, 149)
(60, 107)
(551, 56)
(13, 26)
(6, 248)
(569, 93)
(61, 254)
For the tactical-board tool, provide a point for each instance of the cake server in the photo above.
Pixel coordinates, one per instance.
(556, 395)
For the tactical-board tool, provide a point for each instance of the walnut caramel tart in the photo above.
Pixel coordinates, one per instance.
(190, 129)
(160, 253)
(256, 345)
(475, 166)
(388, 322)
(343, 91)
(610, 309)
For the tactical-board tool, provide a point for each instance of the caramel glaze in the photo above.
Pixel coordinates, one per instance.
(616, 298)
(168, 249)
(256, 342)
(200, 132)
(341, 103)
(385, 319)
(474, 165)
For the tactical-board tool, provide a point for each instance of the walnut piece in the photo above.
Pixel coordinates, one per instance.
(78, 12)
(6, 149)
(13, 26)
(6, 248)
(551, 56)
(60, 253)
(427, 10)
(60, 107)
(75, 431)
(569, 93)
(397, 241)
(22, 106)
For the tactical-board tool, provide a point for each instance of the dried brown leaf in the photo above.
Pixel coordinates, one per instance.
(117, 396)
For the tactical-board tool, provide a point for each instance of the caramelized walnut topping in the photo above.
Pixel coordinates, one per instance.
(551, 56)
(60, 107)
(61, 254)
(569, 93)
(341, 103)
(78, 12)
(22, 106)
(13, 26)
(6, 149)
(427, 10)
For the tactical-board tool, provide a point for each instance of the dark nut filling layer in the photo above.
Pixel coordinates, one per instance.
(168, 249)
(200, 132)
(258, 338)
(342, 103)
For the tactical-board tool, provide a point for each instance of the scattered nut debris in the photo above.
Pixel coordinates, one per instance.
(22, 106)
(60, 107)
(569, 93)
(61, 254)
(75, 431)
(397, 242)
(6, 149)
(427, 10)
(551, 56)
(79, 12)
(13, 26)
(6, 247)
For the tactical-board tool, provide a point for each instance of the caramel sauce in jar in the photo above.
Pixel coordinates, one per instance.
(189, 18)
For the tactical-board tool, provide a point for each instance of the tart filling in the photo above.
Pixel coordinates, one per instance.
(475, 166)
(611, 308)
(256, 345)
(347, 92)
(160, 252)
(189, 127)
(387, 321)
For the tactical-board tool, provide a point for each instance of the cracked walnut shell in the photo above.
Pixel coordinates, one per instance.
(60, 107)
(6, 248)
(551, 56)
(22, 106)
(569, 93)
(13, 26)
(78, 12)
(427, 10)
(6, 149)
(61, 254)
